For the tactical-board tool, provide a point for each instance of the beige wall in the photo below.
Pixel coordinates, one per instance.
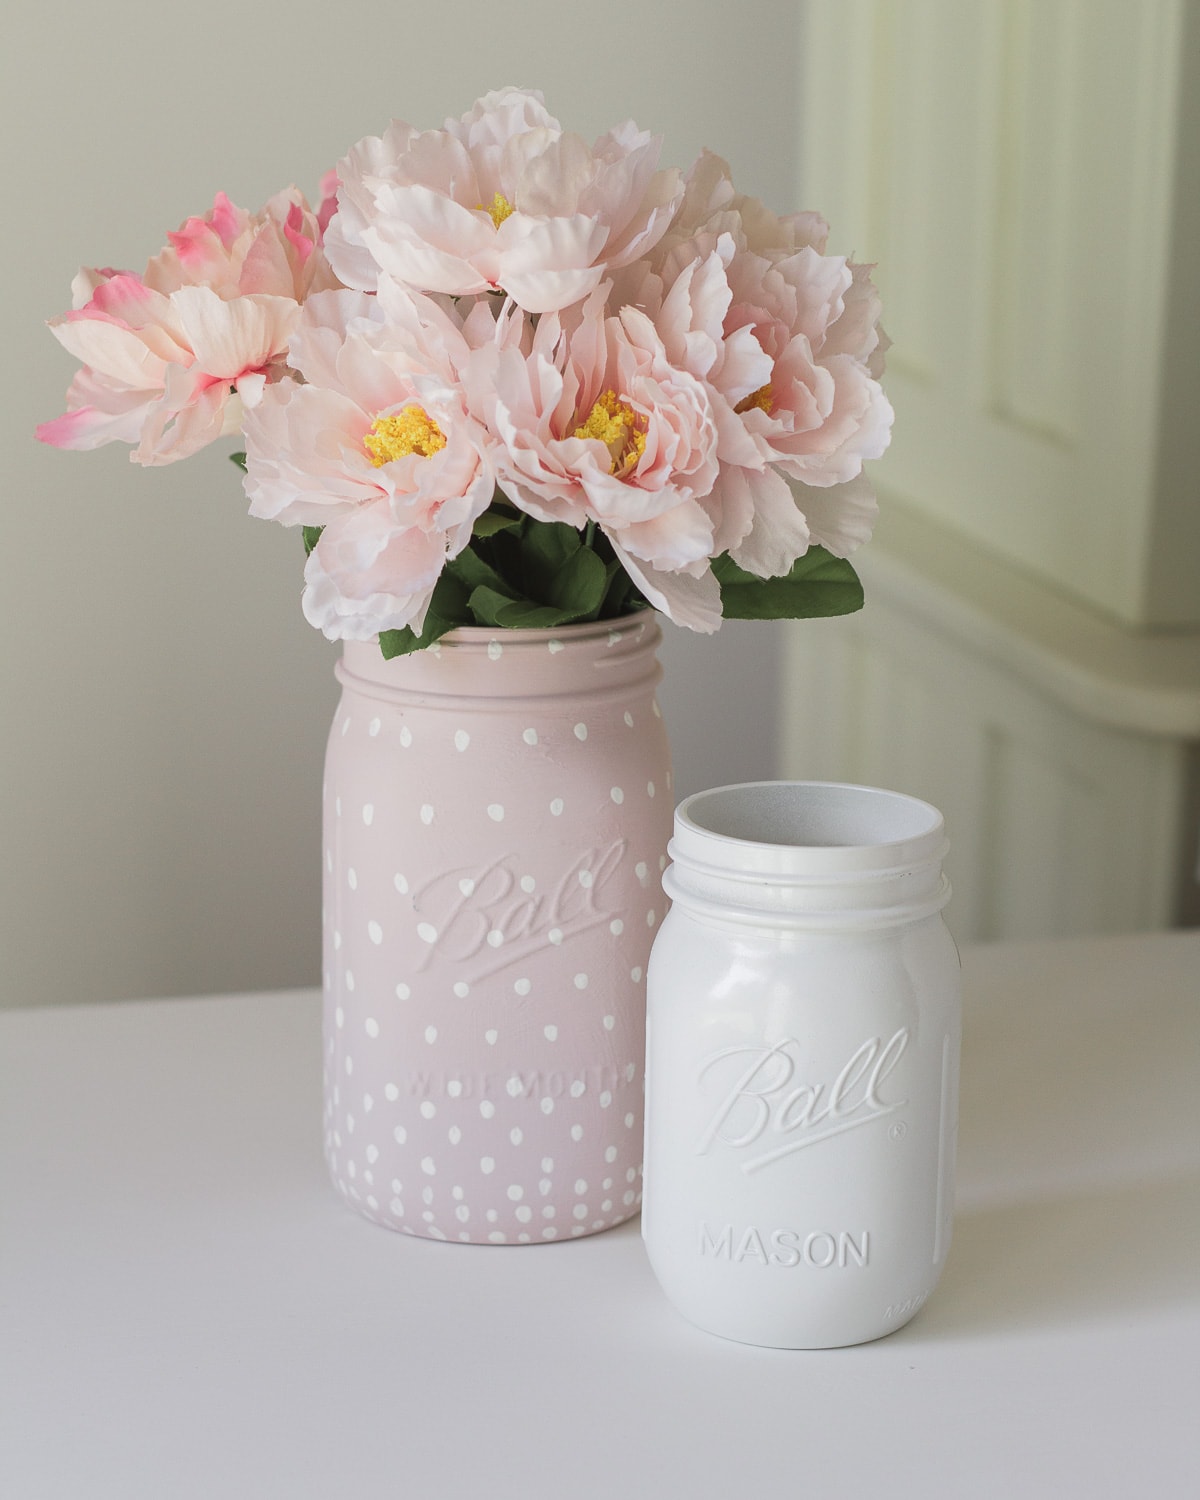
(164, 704)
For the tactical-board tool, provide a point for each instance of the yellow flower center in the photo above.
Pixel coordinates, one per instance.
(615, 424)
(762, 398)
(409, 431)
(499, 210)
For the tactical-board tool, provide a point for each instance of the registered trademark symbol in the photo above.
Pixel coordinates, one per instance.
(897, 1130)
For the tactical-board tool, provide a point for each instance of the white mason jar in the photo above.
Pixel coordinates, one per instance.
(802, 1064)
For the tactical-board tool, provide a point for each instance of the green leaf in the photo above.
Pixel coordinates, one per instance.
(485, 604)
(447, 610)
(818, 585)
(469, 568)
(519, 614)
(494, 520)
(545, 548)
(312, 535)
(239, 459)
(579, 585)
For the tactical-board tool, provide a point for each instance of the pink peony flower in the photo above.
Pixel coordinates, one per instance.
(377, 447)
(172, 357)
(502, 198)
(594, 424)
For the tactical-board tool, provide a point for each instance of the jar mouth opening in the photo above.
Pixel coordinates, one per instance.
(810, 815)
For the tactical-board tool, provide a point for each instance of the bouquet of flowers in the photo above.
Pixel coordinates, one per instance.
(501, 377)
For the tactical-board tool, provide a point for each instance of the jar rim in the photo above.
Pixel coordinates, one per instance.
(814, 830)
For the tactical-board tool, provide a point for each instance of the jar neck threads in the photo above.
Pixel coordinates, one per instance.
(808, 854)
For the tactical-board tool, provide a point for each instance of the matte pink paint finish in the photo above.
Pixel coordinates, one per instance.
(496, 813)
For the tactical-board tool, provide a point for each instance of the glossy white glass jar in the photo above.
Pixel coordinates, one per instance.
(802, 1064)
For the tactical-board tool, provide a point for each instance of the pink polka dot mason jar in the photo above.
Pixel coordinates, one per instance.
(496, 815)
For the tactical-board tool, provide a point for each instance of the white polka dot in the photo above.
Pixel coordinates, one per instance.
(515, 1087)
(374, 727)
(427, 932)
(555, 935)
(462, 989)
(406, 736)
(495, 938)
(391, 1093)
(544, 1187)
(580, 1210)
(495, 650)
(516, 1135)
(352, 878)
(586, 879)
(556, 807)
(487, 1165)
(577, 1132)
(629, 718)
(427, 814)
(528, 883)
(497, 1238)
(337, 941)
(337, 806)
(616, 927)
(554, 647)
(462, 1213)
(547, 1105)
(490, 1037)
(339, 1017)
(550, 1234)
(454, 1087)
(461, 739)
(550, 1033)
(650, 918)
(350, 979)
(530, 736)
(641, 871)
(368, 1104)
(609, 1022)
(431, 1034)
(454, 1135)
(547, 1164)
(401, 884)
(617, 795)
(368, 813)
(577, 1088)
(605, 1099)
(610, 1154)
(486, 1108)
(428, 1167)
(636, 974)
(428, 1109)
(581, 981)
(403, 992)
(467, 886)
(581, 732)
(522, 986)
(628, 1122)
(523, 1215)
(614, 637)
(649, 789)
(580, 1188)
(630, 1071)
(516, 1193)
(375, 933)
(371, 1026)
(496, 812)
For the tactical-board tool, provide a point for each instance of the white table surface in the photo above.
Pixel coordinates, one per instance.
(186, 1310)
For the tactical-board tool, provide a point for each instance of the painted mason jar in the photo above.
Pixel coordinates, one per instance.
(802, 1064)
(496, 814)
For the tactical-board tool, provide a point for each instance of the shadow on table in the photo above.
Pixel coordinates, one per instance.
(1084, 1258)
